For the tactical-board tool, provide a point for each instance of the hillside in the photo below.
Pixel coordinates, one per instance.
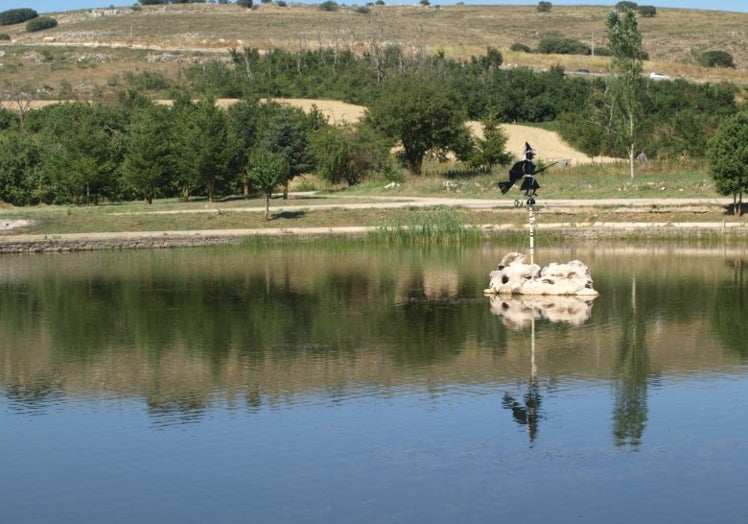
(88, 53)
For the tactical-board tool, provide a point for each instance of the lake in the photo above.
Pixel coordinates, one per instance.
(319, 383)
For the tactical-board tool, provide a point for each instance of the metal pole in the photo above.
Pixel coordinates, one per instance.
(532, 235)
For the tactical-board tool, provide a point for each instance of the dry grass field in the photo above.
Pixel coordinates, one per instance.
(88, 53)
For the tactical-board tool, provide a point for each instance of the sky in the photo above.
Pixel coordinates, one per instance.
(48, 6)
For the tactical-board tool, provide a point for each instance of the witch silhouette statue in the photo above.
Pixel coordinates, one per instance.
(524, 169)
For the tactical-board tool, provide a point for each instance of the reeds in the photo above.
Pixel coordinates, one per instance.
(438, 226)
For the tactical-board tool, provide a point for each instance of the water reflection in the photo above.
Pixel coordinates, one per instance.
(189, 330)
(521, 312)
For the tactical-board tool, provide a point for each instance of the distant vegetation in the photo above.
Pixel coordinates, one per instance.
(17, 16)
(40, 24)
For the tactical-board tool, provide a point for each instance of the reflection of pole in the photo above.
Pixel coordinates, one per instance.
(533, 366)
(532, 235)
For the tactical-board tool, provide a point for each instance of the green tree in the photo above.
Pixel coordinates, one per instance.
(346, 153)
(267, 170)
(147, 160)
(19, 158)
(287, 135)
(624, 84)
(82, 149)
(203, 148)
(728, 154)
(421, 114)
(490, 150)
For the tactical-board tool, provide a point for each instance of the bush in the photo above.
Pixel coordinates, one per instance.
(544, 7)
(244, 3)
(647, 11)
(562, 46)
(17, 16)
(626, 6)
(522, 48)
(4, 36)
(329, 5)
(716, 59)
(40, 24)
(281, 3)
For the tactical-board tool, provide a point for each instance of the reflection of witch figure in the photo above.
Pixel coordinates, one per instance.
(527, 414)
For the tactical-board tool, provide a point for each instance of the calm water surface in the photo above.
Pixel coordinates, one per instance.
(369, 384)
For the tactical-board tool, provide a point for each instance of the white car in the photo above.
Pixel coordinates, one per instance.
(658, 76)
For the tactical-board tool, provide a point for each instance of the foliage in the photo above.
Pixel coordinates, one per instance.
(244, 3)
(728, 156)
(554, 44)
(17, 16)
(328, 5)
(520, 47)
(346, 153)
(421, 115)
(148, 158)
(490, 150)
(40, 24)
(267, 170)
(287, 135)
(203, 150)
(716, 59)
(625, 43)
(626, 6)
(544, 7)
(4, 36)
(647, 11)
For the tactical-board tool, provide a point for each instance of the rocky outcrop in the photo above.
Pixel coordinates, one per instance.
(515, 277)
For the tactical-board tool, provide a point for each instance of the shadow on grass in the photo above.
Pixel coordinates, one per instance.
(288, 215)
(738, 210)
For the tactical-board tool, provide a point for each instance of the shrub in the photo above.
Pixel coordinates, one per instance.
(562, 46)
(17, 16)
(522, 48)
(281, 3)
(544, 7)
(40, 24)
(361, 9)
(4, 36)
(244, 3)
(626, 6)
(329, 5)
(716, 59)
(647, 11)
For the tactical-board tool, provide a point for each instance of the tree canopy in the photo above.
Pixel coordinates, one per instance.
(728, 156)
(419, 114)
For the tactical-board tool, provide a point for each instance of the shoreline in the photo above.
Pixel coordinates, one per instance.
(584, 231)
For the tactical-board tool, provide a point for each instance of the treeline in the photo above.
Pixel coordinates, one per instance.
(678, 116)
(84, 153)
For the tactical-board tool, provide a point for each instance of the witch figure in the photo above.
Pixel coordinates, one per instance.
(524, 169)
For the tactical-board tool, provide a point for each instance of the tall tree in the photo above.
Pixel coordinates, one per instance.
(204, 151)
(421, 114)
(625, 44)
(287, 135)
(728, 153)
(146, 163)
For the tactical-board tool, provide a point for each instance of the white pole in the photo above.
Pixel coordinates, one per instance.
(532, 236)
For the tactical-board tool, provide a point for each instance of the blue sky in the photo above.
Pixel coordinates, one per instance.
(46, 6)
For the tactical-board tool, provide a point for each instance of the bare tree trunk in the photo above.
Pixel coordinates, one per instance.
(267, 205)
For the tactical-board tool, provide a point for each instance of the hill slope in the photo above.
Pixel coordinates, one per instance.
(90, 50)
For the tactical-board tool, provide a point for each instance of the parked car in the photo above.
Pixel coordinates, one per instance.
(658, 76)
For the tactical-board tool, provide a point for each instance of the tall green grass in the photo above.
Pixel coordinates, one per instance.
(427, 227)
